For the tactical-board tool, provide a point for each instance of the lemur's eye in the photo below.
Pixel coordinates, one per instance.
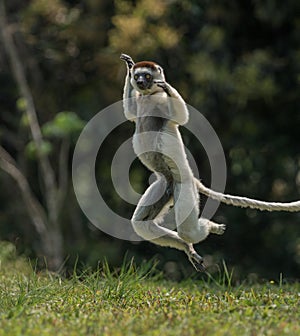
(135, 77)
(148, 76)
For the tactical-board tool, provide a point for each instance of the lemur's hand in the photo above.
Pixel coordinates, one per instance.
(164, 85)
(129, 61)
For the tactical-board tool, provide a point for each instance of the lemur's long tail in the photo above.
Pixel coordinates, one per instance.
(245, 202)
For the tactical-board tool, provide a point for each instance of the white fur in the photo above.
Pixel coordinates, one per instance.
(152, 219)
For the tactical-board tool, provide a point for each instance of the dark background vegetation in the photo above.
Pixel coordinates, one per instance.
(238, 62)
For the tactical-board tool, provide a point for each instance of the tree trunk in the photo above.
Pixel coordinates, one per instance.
(46, 221)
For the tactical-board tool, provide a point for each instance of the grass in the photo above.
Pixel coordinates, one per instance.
(133, 301)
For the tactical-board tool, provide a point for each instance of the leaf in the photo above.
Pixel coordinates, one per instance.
(64, 124)
(21, 104)
(24, 121)
(31, 149)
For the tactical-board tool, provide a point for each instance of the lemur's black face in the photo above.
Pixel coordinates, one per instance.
(143, 79)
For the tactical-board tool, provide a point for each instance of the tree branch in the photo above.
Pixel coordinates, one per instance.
(63, 170)
(34, 208)
(19, 74)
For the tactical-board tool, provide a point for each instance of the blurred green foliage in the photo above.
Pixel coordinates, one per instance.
(64, 124)
(237, 62)
(31, 149)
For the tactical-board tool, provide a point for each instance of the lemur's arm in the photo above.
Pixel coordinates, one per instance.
(129, 102)
(177, 108)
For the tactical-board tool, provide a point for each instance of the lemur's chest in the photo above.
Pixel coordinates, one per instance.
(148, 142)
(150, 124)
(150, 114)
(153, 131)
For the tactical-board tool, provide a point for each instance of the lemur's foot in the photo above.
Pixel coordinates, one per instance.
(218, 229)
(197, 262)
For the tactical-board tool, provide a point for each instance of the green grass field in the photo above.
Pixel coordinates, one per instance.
(132, 301)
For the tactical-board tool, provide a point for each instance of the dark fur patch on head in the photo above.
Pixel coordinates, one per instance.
(145, 64)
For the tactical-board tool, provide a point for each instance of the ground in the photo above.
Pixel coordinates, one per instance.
(134, 301)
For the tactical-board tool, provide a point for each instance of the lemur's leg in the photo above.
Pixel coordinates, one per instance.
(189, 227)
(148, 216)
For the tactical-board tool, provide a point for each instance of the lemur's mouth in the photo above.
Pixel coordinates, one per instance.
(143, 85)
